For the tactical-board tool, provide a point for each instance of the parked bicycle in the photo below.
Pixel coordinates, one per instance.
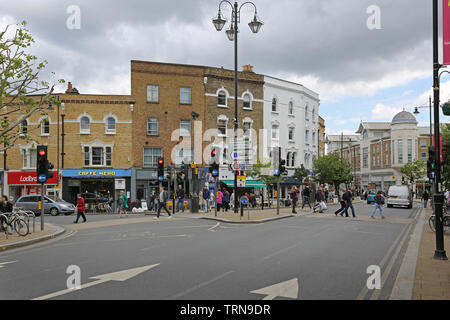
(11, 222)
(445, 220)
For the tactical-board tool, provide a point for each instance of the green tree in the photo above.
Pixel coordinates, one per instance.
(332, 170)
(19, 78)
(301, 173)
(445, 168)
(263, 171)
(415, 170)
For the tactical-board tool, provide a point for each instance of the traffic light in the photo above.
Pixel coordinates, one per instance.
(42, 164)
(282, 166)
(431, 161)
(213, 154)
(214, 163)
(160, 167)
(403, 180)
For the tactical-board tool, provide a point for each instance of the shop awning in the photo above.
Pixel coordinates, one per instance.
(248, 183)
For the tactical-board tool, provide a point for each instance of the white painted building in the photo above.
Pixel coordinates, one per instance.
(291, 120)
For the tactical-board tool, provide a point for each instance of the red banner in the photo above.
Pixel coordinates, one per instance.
(440, 148)
(28, 178)
(446, 30)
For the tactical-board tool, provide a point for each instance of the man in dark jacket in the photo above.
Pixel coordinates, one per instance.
(180, 198)
(348, 197)
(306, 194)
(206, 195)
(5, 205)
(319, 199)
(425, 198)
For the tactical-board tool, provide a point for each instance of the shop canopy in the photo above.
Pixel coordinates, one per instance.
(248, 183)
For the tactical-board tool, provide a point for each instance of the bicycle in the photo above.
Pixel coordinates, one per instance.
(445, 221)
(13, 222)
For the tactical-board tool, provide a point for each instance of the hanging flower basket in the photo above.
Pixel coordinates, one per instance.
(446, 108)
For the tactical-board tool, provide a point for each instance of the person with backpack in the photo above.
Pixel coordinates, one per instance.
(122, 203)
(379, 201)
(348, 197)
(162, 202)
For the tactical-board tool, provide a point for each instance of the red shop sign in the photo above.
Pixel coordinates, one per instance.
(28, 178)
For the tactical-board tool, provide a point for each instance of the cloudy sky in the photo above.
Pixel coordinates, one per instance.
(326, 45)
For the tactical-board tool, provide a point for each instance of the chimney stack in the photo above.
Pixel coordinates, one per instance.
(71, 90)
(247, 68)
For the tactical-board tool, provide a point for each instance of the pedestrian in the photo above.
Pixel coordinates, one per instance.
(294, 196)
(219, 197)
(81, 209)
(163, 196)
(379, 201)
(232, 200)
(226, 200)
(341, 209)
(180, 198)
(5, 205)
(319, 199)
(348, 198)
(205, 196)
(425, 197)
(122, 203)
(306, 194)
(326, 195)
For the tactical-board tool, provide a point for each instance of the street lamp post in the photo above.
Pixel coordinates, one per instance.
(438, 197)
(232, 34)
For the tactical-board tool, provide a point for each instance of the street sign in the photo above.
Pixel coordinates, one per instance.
(42, 178)
(236, 166)
(160, 178)
(244, 200)
(215, 172)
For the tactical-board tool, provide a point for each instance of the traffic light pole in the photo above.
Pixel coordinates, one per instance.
(438, 197)
(42, 207)
(278, 195)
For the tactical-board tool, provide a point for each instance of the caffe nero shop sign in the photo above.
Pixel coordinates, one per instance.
(96, 173)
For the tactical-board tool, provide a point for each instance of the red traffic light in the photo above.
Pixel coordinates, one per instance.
(213, 152)
(160, 161)
(42, 152)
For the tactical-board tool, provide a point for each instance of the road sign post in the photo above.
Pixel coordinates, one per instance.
(42, 206)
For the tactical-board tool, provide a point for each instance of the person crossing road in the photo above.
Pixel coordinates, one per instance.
(163, 196)
(379, 201)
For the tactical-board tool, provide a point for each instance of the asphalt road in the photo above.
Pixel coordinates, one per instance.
(326, 256)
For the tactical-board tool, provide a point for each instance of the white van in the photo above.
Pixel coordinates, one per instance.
(399, 196)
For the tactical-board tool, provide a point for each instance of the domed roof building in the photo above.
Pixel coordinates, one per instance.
(404, 117)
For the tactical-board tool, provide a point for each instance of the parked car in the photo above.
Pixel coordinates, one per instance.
(399, 196)
(371, 196)
(52, 205)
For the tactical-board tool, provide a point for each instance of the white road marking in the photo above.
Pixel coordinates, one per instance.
(176, 236)
(115, 276)
(212, 228)
(2, 264)
(286, 289)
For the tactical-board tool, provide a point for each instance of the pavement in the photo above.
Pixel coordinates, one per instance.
(308, 256)
(16, 241)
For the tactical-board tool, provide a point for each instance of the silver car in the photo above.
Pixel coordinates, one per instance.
(52, 205)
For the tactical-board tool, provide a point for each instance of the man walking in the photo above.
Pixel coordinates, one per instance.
(319, 199)
(306, 193)
(294, 195)
(379, 201)
(162, 202)
(348, 197)
(180, 198)
(205, 196)
(425, 198)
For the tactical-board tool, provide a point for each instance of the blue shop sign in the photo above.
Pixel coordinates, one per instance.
(86, 173)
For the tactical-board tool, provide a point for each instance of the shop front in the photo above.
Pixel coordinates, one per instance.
(147, 184)
(96, 185)
(22, 183)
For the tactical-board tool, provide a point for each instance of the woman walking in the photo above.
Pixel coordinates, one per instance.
(123, 204)
(80, 208)
(219, 200)
(294, 196)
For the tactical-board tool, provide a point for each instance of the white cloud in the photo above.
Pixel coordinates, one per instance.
(384, 112)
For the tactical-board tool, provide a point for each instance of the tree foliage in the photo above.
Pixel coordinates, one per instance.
(301, 173)
(332, 170)
(263, 171)
(415, 170)
(20, 78)
(445, 168)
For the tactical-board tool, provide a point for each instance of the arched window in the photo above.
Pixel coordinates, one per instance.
(274, 105)
(306, 112)
(294, 156)
(291, 108)
(313, 113)
(247, 101)
(110, 125)
(222, 98)
(85, 125)
(288, 159)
